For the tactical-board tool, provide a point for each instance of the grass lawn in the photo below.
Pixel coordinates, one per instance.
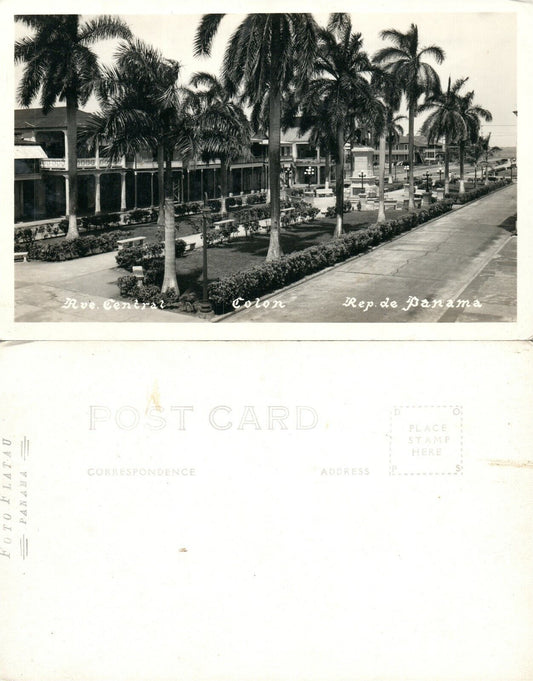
(242, 253)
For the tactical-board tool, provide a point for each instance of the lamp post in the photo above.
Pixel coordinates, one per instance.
(427, 180)
(395, 171)
(205, 305)
(362, 176)
(440, 173)
(308, 173)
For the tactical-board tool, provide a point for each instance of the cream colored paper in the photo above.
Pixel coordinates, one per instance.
(325, 550)
(390, 13)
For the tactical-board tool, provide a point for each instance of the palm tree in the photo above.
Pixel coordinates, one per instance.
(262, 58)
(224, 130)
(60, 66)
(143, 106)
(472, 115)
(445, 121)
(405, 62)
(341, 92)
(391, 94)
(394, 133)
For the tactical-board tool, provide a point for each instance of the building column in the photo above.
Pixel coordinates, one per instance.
(182, 194)
(97, 206)
(97, 152)
(294, 151)
(242, 180)
(201, 185)
(151, 190)
(122, 191)
(66, 194)
(135, 190)
(66, 153)
(215, 183)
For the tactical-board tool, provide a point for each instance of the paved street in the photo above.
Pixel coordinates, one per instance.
(467, 254)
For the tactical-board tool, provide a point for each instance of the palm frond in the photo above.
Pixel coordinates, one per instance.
(205, 33)
(102, 28)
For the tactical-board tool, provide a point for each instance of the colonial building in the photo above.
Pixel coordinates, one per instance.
(424, 152)
(41, 171)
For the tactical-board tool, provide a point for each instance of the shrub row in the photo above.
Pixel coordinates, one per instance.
(346, 208)
(127, 258)
(261, 279)
(476, 193)
(77, 248)
(149, 293)
(25, 236)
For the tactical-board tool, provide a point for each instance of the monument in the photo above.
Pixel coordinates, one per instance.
(362, 170)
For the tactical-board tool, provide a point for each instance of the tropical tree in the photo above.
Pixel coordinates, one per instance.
(340, 92)
(263, 56)
(405, 63)
(143, 106)
(472, 115)
(61, 66)
(224, 130)
(445, 121)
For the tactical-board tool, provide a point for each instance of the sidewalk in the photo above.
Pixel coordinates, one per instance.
(45, 291)
(467, 253)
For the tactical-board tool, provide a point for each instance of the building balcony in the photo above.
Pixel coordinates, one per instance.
(83, 164)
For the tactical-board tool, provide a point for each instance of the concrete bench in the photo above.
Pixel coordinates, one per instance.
(133, 241)
(21, 254)
(220, 223)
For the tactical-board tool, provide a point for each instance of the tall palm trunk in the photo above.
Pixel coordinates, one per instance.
(328, 169)
(412, 106)
(461, 167)
(161, 184)
(446, 166)
(72, 170)
(390, 141)
(224, 172)
(381, 209)
(170, 280)
(339, 182)
(274, 140)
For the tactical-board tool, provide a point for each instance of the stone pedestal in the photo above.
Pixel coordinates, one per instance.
(426, 199)
(362, 158)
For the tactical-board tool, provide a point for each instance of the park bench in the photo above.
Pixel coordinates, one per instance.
(21, 254)
(220, 223)
(132, 241)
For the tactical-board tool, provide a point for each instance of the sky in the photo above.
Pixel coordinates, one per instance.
(480, 45)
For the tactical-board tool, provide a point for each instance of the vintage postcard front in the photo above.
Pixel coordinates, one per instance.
(353, 175)
(214, 513)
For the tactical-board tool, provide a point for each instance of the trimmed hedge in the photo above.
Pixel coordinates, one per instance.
(127, 258)
(81, 247)
(474, 194)
(261, 279)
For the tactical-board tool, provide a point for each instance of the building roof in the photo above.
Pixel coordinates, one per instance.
(31, 119)
(29, 151)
